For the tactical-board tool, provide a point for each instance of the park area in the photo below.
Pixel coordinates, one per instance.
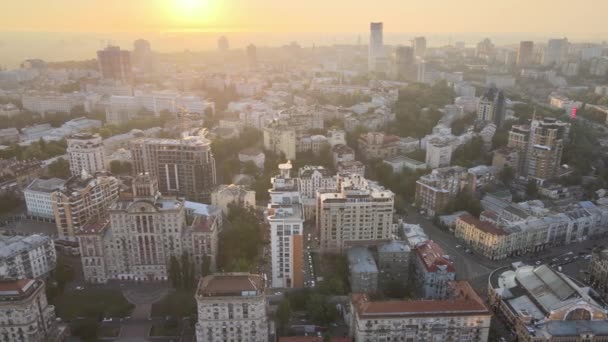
(94, 303)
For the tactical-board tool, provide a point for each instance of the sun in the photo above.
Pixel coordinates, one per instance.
(187, 6)
(191, 11)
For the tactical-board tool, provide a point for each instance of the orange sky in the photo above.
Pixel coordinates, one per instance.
(559, 17)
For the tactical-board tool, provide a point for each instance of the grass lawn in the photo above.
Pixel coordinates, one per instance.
(164, 329)
(179, 303)
(92, 303)
(109, 332)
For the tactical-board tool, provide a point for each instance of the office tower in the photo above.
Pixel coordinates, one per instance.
(231, 307)
(115, 64)
(252, 57)
(81, 199)
(184, 167)
(377, 56)
(525, 54)
(286, 220)
(222, 44)
(357, 210)
(142, 56)
(419, 44)
(556, 52)
(140, 234)
(404, 62)
(26, 313)
(491, 107)
(86, 152)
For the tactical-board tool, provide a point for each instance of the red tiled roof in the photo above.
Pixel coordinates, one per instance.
(14, 287)
(484, 226)
(433, 256)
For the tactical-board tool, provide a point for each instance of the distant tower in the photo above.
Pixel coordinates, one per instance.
(525, 54)
(115, 64)
(419, 44)
(404, 61)
(142, 54)
(252, 56)
(377, 58)
(222, 44)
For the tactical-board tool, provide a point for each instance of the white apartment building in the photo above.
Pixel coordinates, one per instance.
(280, 139)
(231, 307)
(356, 210)
(310, 180)
(38, 197)
(86, 153)
(286, 220)
(336, 137)
(25, 314)
(438, 153)
(52, 102)
(24, 257)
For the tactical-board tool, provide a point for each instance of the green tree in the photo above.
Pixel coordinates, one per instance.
(507, 175)
(283, 316)
(320, 310)
(531, 189)
(60, 168)
(86, 329)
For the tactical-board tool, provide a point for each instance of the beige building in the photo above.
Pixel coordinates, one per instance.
(357, 210)
(379, 145)
(280, 139)
(462, 316)
(434, 190)
(225, 195)
(310, 180)
(598, 271)
(482, 237)
(25, 314)
(438, 153)
(140, 235)
(231, 307)
(83, 198)
(85, 152)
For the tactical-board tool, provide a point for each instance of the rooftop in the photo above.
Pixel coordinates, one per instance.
(361, 260)
(484, 226)
(46, 185)
(14, 289)
(433, 257)
(231, 284)
(394, 247)
(13, 245)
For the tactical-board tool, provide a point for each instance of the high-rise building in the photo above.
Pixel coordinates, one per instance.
(231, 307)
(419, 45)
(115, 64)
(310, 180)
(140, 234)
(222, 44)
(525, 54)
(252, 57)
(492, 107)
(556, 52)
(81, 199)
(26, 314)
(183, 167)
(405, 62)
(142, 56)
(286, 220)
(86, 152)
(377, 56)
(357, 210)
(485, 49)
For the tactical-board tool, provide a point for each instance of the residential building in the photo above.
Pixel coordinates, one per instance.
(400, 163)
(492, 107)
(115, 64)
(506, 156)
(362, 270)
(9, 136)
(598, 271)
(86, 153)
(394, 264)
(461, 317)
(140, 234)
(438, 153)
(226, 195)
(434, 270)
(20, 172)
(184, 167)
(525, 54)
(342, 153)
(599, 66)
(286, 219)
(556, 52)
(377, 56)
(26, 314)
(310, 180)
(231, 307)
(357, 210)
(541, 304)
(254, 155)
(435, 190)
(336, 137)
(379, 145)
(26, 257)
(354, 167)
(280, 139)
(419, 44)
(38, 197)
(482, 237)
(405, 67)
(9, 110)
(481, 175)
(83, 198)
(43, 103)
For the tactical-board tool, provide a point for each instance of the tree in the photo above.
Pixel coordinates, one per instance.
(320, 310)
(507, 175)
(531, 189)
(283, 315)
(174, 272)
(87, 329)
(60, 168)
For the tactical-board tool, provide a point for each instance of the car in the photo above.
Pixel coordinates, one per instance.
(567, 259)
(467, 251)
(107, 319)
(458, 246)
(79, 288)
(570, 253)
(538, 262)
(554, 259)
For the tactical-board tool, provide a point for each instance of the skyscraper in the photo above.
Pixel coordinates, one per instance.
(419, 44)
(252, 56)
(404, 62)
(222, 44)
(115, 64)
(377, 57)
(525, 54)
(183, 167)
(556, 51)
(142, 56)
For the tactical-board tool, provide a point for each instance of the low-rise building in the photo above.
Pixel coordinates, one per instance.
(482, 237)
(435, 190)
(254, 155)
(342, 153)
(226, 195)
(400, 163)
(379, 145)
(9, 136)
(38, 197)
(354, 167)
(394, 264)
(26, 257)
(363, 270)
(231, 307)
(438, 153)
(434, 270)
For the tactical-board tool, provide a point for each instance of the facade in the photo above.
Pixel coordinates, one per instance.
(21, 172)
(419, 44)
(354, 167)
(400, 163)
(525, 54)
(51, 102)
(541, 304)
(38, 197)
(438, 153)
(310, 180)
(357, 210)
(9, 136)
(434, 270)
(115, 64)
(26, 314)
(86, 152)
(377, 57)
(286, 219)
(394, 263)
(506, 156)
(482, 237)
(379, 145)
(461, 317)
(363, 270)
(342, 153)
(436, 189)
(598, 271)
(183, 167)
(556, 52)
(138, 237)
(83, 198)
(492, 107)
(225, 195)
(26, 257)
(231, 307)
(280, 139)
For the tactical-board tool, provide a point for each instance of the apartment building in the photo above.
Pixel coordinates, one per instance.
(353, 167)
(462, 316)
(38, 197)
(81, 199)
(225, 195)
(434, 270)
(482, 237)
(231, 307)
(280, 139)
(26, 257)
(357, 210)
(139, 235)
(310, 180)
(43, 103)
(379, 145)
(86, 152)
(438, 153)
(184, 167)
(25, 314)
(342, 153)
(436, 189)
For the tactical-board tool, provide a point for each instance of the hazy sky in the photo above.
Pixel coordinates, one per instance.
(559, 17)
